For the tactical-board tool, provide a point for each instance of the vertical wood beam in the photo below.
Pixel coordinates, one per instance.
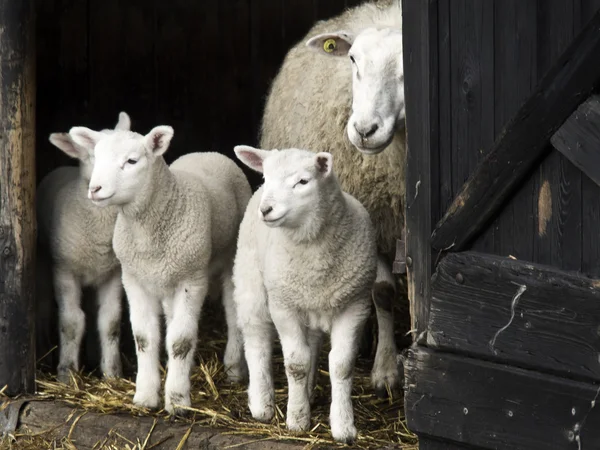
(17, 196)
(420, 75)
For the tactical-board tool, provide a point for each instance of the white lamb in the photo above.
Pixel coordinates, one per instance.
(306, 262)
(176, 232)
(341, 89)
(78, 237)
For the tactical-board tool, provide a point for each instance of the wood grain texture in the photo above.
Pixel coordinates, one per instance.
(499, 407)
(561, 243)
(518, 313)
(515, 50)
(566, 85)
(17, 194)
(578, 139)
(420, 68)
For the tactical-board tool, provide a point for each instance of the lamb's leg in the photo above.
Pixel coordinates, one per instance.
(145, 312)
(385, 368)
(71, 321)
(109, 325)
(182, 337)
(233, 360)
(315, 339)
(296, 358)
(345, 335)
(258, 347)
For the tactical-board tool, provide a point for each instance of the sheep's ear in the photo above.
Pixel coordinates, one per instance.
(324, 164)
(85, 137)
(332, 44)
(124, 122)
(159, 138)
(64, 142)
(252, 157)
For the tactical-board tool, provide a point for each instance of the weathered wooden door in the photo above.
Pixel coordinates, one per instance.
(503, 223)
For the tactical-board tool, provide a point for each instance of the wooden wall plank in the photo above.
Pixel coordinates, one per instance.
(517, 312)
(498, 407)
(590, 192)
(472, 91)
(558, 189)
(17, 197)
(515, 50)
(420, 70)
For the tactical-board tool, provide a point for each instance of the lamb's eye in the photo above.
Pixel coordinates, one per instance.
(352, 59)
(131, 161)
(303, 181)
(329, 45)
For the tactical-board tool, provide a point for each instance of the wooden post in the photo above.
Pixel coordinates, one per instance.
(420, 70)
(17, 196)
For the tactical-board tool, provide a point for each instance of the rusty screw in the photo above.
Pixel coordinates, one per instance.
(459, 278)
(408, 261)
(6, 251)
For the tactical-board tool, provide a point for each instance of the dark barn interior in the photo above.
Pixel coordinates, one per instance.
(203, 67)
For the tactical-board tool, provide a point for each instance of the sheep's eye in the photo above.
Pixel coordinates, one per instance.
(352, 59)
(131, 161)
(329, 45)
(303, 181)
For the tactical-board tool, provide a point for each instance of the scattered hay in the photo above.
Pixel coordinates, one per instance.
(217, 403)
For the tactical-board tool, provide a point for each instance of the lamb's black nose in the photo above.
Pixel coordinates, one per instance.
(266, 210)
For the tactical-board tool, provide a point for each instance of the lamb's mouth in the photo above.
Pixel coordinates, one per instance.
(273, 222)
(99, 201)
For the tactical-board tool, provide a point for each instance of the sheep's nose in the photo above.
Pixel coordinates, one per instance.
(366, 132)
(95, 189)
(266, 210)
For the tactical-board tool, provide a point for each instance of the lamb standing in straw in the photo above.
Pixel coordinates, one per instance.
(341, 90)
(176, 232)
(306, 262)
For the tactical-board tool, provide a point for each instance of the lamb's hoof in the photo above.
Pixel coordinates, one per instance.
(63, 374)
(180, 413)
(176, 403)
(386, 375)
(237, 374)
(344, 434)
(113, 371)
(146, 400)
(298, 420)
(262, 413)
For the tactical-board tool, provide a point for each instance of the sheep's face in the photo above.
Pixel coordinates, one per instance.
(122, 162)
(293, 178)
(65, 142)
(375, 56)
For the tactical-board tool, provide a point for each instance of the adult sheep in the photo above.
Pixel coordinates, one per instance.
(340, 90)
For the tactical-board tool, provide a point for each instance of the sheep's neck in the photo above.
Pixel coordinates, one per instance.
(156, 197)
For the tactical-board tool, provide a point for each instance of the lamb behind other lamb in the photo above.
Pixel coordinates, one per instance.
(78, 237)
(341, 90)
(176, 232)
(306, 262)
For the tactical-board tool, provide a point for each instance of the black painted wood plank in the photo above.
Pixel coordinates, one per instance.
(517, 312)
(494, 406)
(579, 138)
(420, 72)
(558, 241)
(523, 142)
(472, 91)
(515, 67)
(427, 443)
(590, 199)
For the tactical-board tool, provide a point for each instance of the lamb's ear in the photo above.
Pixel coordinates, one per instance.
(65, 143)
(333, 44)
(84, 137)
(324, 164)
(159, 138)
(252, 157)
(124, 122)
